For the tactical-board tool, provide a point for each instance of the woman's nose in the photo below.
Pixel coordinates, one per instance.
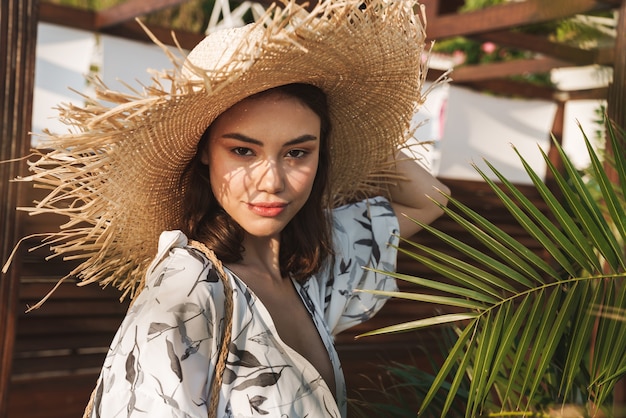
(271, 177)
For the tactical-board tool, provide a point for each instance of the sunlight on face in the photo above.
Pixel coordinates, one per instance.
(263, 155)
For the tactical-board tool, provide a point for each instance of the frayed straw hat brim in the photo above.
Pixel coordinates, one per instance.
(116, 176)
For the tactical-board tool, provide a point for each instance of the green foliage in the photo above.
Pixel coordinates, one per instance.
(534, 332)
(190, 16)
(480, 4)
(586, 31)
(87, 4)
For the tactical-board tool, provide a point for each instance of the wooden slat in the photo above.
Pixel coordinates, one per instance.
(509, 15)
(70, 17)
(131, 9)
(34, 290)
(68, 362)
(86, 20)
(481, 72)
(590, 94)
(539, 44)
(53, 397)
(33, 343)
(57, 308)
(79, 323)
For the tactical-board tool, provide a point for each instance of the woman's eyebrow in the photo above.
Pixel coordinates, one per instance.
(244, 138)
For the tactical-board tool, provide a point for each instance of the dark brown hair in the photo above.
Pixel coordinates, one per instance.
(305, 241)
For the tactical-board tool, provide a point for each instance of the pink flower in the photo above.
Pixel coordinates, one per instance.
(488, 47)
(458, 57)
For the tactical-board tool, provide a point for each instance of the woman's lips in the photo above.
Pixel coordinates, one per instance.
(267, 209)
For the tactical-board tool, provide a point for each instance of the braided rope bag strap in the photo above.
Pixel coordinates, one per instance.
(220, 366)
(89, 407)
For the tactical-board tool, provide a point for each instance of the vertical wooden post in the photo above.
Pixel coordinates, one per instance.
(18, 32)
(617, 90)
(557, 131)
(616, 111)
(616, 102)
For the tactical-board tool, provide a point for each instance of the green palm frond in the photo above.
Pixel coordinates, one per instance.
(532, 332)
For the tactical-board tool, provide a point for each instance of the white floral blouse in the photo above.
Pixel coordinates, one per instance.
(163, 356)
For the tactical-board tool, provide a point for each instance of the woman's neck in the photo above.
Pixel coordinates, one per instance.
(261, 257)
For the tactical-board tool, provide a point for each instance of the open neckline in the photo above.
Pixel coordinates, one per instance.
(326, 342)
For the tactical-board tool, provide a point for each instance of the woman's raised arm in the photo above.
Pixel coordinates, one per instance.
(411, 196)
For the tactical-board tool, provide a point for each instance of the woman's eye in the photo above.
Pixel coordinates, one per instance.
(242, 151)
(296, 153)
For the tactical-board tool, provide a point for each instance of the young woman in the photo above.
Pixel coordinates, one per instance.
(272, 165)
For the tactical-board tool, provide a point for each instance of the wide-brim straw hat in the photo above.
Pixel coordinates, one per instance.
(116, 174)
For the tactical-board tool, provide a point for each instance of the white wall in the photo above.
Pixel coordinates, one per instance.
(478, 126)
(129, 61)
(467, 127)
(64, 58)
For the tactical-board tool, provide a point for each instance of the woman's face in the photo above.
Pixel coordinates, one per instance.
(262, 155)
